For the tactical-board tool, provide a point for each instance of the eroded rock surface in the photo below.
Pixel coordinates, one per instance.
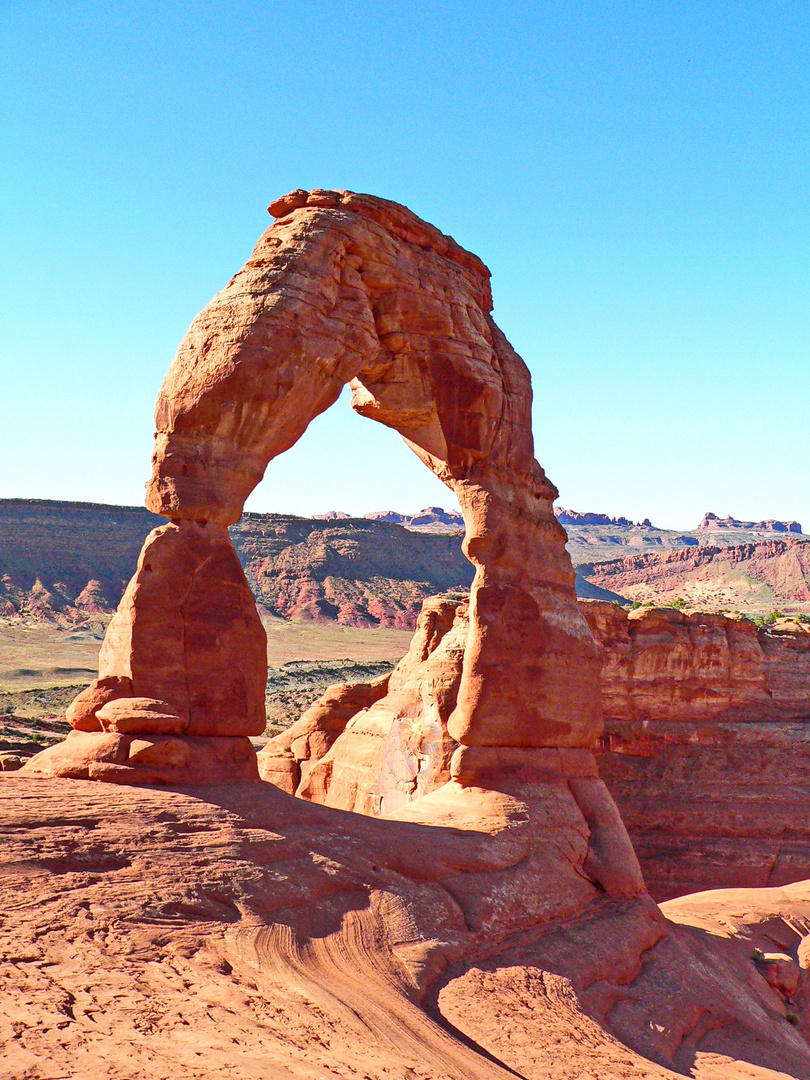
(347, 288)
(184, 656)
(495, 921)
(706, 747)
(235, 930)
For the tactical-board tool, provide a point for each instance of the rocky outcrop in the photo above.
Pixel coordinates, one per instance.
(354, 572)
(431, 519)
(759, 576)
(707, 745)
(313, 941)
(393, 746)
(345, 288)
(182, 672)
(578, 517)
(68, 563)
(233, 930)
(711, 523)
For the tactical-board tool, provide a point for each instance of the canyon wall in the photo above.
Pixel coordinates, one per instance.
(753, 576)
(706, 747)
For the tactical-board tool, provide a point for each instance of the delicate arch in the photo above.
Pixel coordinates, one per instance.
(347, 288)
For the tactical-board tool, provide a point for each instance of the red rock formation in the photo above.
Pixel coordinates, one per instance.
(482, 928)
(707, 745)
(185, 655)
(236, 931)
(394, 747)
(349, 288)
(752, 576)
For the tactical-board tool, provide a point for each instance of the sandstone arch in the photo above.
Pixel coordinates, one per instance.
(347, 288)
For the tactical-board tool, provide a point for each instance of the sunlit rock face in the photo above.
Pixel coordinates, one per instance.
(485, 916)
(347, 288)
(706, 747)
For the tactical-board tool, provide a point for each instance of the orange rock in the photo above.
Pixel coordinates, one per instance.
(82, 711)
(285, 758)
(154, 759)
(144, 715)
(396, 747)
(188, 634)
(349, 288)
(705, 745)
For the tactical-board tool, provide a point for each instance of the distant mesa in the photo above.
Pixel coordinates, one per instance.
(577, 517)
(711, 522)
(431, 519)
(437, 519)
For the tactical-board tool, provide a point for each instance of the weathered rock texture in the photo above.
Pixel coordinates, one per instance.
(235, 931)
(354, 572)
(373, 747)
(347, 288)
(495, 925)
(706, 746)
(760, 576)
(184, 656)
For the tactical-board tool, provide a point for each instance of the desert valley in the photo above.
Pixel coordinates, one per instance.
(510, 791)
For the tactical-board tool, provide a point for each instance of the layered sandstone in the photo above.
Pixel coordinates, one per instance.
(185, 658)
(706, 746)
(754, 576)
(233, 930)
(494, 921)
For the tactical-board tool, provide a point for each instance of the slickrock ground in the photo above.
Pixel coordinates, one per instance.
(236, 931)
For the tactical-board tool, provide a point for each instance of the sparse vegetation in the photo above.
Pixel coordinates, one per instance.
(764, 621)
(292, 687)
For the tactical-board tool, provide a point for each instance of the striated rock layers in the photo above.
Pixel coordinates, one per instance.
(235, 931)
(706, 746)
(757, 576)
(346, 288)
(354, 572)
(495, 925)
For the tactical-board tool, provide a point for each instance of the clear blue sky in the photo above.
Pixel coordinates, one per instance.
(634, 174)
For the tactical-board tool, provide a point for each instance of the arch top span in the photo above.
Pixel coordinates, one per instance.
(342, 288)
